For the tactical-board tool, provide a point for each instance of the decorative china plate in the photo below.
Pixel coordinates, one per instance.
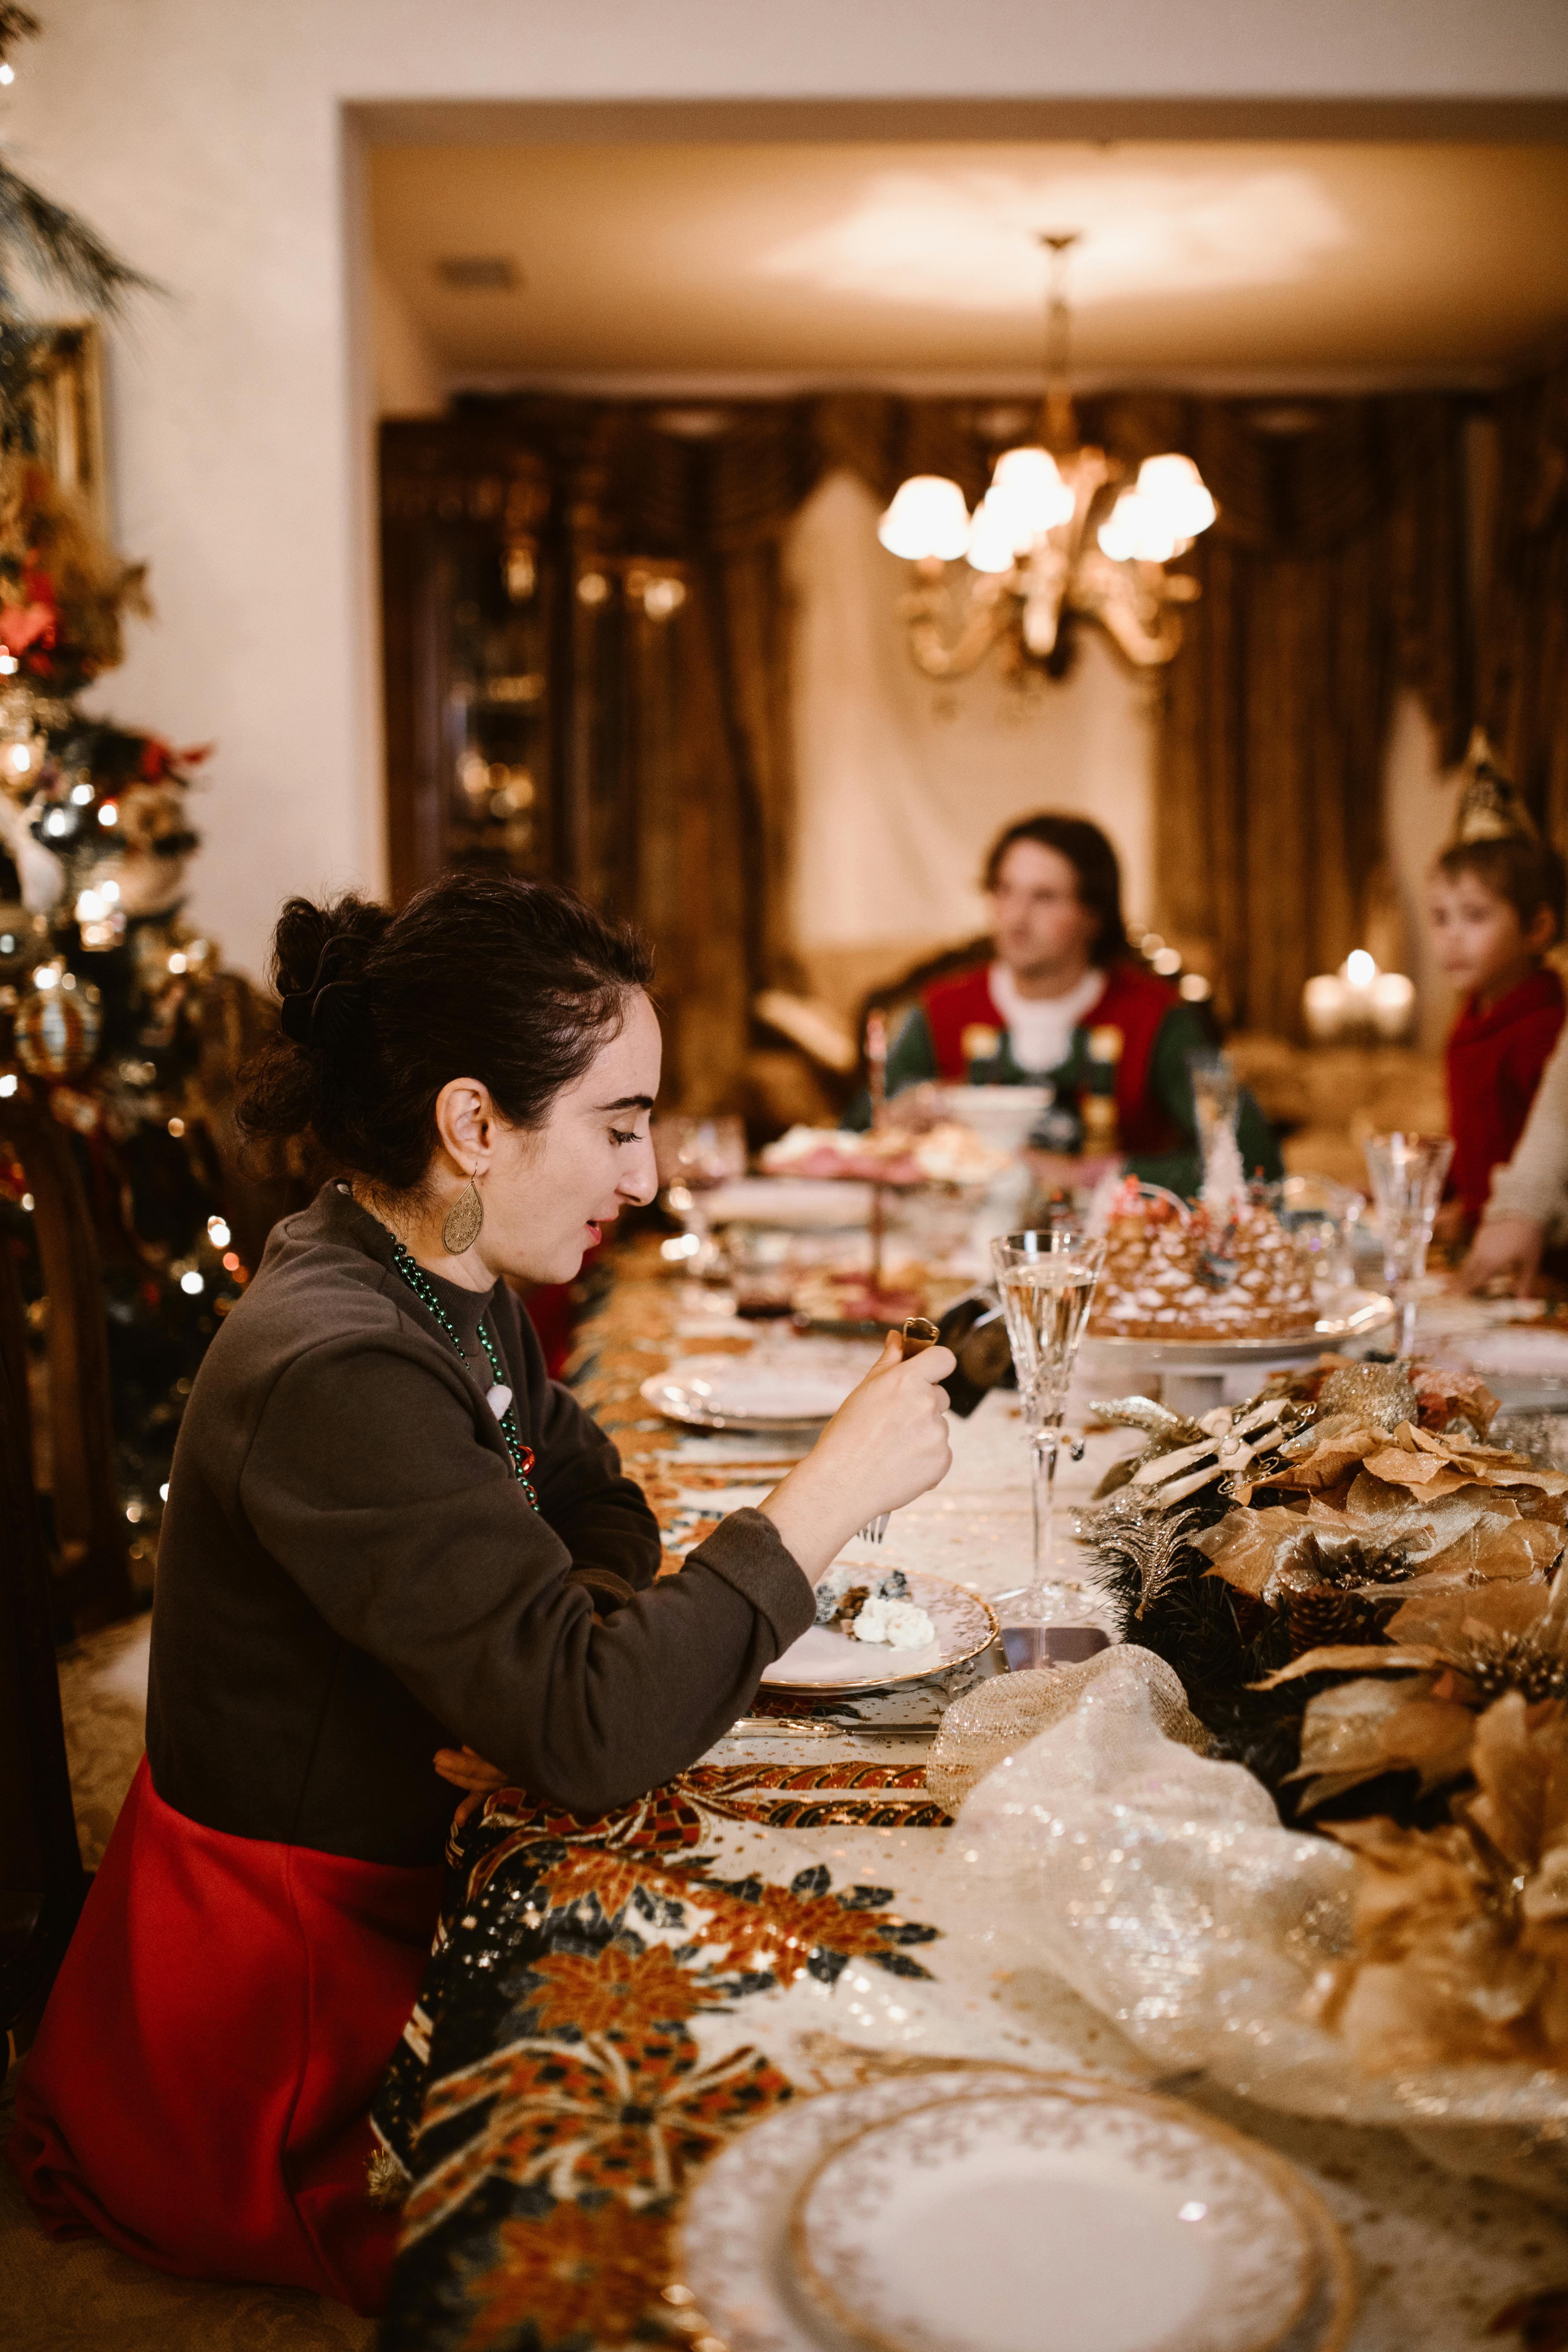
(823, 1660)
(958, 2227)
(1356, 1314)
(797, 1386)
(735, 2249)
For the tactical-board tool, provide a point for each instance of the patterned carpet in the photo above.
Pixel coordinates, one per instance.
(82, 2294)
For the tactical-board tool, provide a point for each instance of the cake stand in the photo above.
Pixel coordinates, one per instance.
(1193, 1373)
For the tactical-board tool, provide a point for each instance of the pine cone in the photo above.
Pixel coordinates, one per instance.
(1318, 1618)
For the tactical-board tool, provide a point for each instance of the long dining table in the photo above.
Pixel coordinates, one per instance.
(611, 2002)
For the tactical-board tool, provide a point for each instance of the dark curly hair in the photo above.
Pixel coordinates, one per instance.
(1092, 860)
(516, 983)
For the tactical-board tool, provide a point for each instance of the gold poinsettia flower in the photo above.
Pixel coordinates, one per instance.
(1344, 1449)
(1337, 1558)
(1454, 1652)
(1480, 1641)
(1462, 1932)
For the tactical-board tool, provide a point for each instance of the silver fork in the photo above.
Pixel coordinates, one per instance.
(918, 1334)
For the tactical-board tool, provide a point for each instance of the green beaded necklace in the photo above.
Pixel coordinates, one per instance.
(419, 1283)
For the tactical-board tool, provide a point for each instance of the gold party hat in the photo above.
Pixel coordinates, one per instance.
(1490, 808)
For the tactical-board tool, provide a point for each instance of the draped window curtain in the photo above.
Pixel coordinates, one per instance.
(1341, 569)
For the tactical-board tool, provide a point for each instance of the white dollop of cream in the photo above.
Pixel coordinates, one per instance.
(898, 1625)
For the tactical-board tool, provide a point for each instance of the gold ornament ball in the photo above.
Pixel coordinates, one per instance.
(1378, 1393)
(58, 1030)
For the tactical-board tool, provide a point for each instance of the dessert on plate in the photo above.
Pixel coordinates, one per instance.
(1210, 1273)
(871, 1607)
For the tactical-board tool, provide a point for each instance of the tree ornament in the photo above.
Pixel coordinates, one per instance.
(1378, 1393)
(57, 1028)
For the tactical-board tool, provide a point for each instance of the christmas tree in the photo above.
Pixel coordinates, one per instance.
(110, 1002)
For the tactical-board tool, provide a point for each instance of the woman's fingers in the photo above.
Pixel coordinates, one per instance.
(466, 1769)
(1503, 1245)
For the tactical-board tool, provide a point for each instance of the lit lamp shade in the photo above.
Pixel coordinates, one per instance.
(1136, 532)
(928, 518)
(1026, 488)
(1174, 489)
(992, 540)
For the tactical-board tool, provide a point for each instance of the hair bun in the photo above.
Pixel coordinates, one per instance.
(319, 966)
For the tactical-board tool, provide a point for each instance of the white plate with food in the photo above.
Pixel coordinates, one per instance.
(910, 1624)
(797, 1385)
(736, 2256)
(955, 2227)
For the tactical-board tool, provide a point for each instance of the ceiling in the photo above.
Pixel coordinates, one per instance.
(1240, 264)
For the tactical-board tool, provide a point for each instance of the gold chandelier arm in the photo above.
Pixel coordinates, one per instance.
(1132, 603)
(923, 612)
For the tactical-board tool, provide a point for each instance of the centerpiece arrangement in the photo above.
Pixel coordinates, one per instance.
(1307, 1829)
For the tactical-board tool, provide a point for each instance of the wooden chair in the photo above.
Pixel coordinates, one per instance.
(92, 1574)
(42, 1882)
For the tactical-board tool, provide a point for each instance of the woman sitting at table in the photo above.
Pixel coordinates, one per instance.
(1061, 990)
(390, 1537)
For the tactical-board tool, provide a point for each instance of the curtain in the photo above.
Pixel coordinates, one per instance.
(1334, 574)
(1523, 653)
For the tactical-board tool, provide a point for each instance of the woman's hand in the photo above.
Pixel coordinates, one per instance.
(1504, 1245)
(886, 1443)
(466, 1769)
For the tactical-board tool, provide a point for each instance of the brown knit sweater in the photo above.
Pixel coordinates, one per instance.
(350, 1576)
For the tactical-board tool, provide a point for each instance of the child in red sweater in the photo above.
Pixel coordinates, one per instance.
(1497, 905)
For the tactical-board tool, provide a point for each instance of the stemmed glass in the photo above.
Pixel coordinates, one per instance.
(1407, 1174)
(693, 1156)
(1047, 1280)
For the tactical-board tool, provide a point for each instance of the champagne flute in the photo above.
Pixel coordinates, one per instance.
(1047, 1280)
(1407, 1174)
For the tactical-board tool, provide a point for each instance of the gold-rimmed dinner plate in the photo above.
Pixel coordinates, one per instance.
(825, 1660)
(735, 2231)
(955, 2226)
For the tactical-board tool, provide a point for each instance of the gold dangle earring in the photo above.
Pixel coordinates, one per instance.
(460, 1228)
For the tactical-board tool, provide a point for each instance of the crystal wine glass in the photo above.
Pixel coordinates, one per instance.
(694, 1155)
(1407, 1174)
(1047, 1280)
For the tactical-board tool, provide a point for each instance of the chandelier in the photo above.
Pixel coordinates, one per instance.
(1059, 531)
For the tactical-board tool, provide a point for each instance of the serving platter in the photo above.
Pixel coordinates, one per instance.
(823, 1660)
(799, 1385)
(1353, 1316)
(736, 2253)
(953, 2227)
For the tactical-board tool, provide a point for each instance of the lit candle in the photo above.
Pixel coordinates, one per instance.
(1323, 1004)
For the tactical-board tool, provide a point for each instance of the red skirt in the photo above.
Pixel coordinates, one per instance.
(199, 2088)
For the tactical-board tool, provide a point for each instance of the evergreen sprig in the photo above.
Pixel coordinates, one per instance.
(59, 246)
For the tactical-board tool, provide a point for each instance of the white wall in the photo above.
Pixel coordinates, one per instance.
(206, 139)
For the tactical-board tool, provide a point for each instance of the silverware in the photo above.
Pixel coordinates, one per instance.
(784, 1727)
(918, 1334)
